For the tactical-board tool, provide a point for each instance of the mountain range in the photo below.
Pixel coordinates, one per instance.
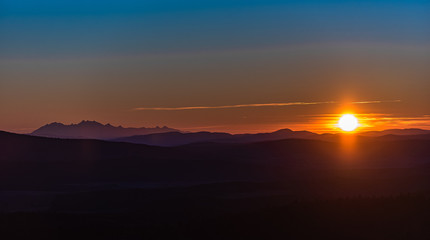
(169, 137)
(93, 130)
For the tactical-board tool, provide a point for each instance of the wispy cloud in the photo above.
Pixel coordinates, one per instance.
(252, 105)
(376, 101)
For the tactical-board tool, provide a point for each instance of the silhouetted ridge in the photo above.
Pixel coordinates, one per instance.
(164, 136)
(87, 123)
(285, 130)
(397, 132)
(178, 138)
(174, 138)
(181, 138)
(54, 124)
(94, 130)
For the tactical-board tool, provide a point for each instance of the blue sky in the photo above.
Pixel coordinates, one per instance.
(70, 28)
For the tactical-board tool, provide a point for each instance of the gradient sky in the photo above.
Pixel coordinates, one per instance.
(148, 63)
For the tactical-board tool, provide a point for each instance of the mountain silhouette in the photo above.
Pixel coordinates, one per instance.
(94, 130)
(179, 138)
(174, 138)
(396, 132)
(170, 139)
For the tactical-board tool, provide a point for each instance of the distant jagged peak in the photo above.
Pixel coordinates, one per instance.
(93, 123)
(82, 123)
(54, 124)
(89, 123)
(94, 130)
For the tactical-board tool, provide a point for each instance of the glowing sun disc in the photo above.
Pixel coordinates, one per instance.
(348, 122)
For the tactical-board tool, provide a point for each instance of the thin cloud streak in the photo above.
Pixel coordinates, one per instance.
(369, 102)
(251, 105)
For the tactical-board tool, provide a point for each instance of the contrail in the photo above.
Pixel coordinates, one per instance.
(367, 102)
(249, 105)
(231, 106)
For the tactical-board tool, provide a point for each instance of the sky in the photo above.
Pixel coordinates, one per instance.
(215, 65)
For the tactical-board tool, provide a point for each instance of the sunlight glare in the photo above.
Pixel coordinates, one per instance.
(348, 122)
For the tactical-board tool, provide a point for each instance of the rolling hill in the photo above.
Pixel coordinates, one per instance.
(69, 188)
(27, 158)
(179, 138)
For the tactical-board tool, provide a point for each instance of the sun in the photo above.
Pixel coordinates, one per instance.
(348, 122)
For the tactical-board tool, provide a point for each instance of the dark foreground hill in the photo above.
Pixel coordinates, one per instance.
(361, 188)
(35, 158)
